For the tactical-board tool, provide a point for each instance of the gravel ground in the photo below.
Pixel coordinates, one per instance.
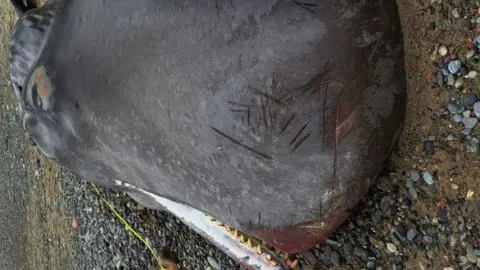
(423, 214)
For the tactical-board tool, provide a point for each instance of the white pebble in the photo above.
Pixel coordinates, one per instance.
(467, 113)
(470, 54)
(443, 50)
(472, 74)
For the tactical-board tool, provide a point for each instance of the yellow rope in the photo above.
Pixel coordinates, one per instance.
(129, 228)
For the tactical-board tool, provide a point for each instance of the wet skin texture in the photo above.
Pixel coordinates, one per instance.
(275, 117)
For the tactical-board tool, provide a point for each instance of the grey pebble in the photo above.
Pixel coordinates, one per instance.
(466, 131)
(335, 258)
(371, 265)
(458, 118)
(413, 193)
(451, 137)
(414, 175)
(450, 79)
(428, 239)
(213, 263)
(477, 251)
(468, 99)
(409, 183)
(429, 147)
(470, 122)
(411, 234)
(439, 78)
(455, 108)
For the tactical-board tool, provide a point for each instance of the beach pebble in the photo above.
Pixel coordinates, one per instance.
(443, 50)
(470, 122)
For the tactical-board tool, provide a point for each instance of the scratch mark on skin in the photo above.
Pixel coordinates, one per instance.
(248, 116)
(306, 6)
(218, 8)
(324, 124)
(241, 144)
(240, 104)
(300, 132)
(264, 111)
(315, 85)
(300, 142)
(268, 96)
(335, 155)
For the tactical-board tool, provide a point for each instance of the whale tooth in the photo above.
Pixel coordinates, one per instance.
(259, 250)
(274, 263)
(249, 243)
(235, 233)
(285, 256)
(269, 257)
(219, 223)
(228, 228)
(294, 264)
(242, 238)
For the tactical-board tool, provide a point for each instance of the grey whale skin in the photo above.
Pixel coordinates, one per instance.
(274, 117)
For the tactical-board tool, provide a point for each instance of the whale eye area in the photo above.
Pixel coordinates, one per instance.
(36, 99)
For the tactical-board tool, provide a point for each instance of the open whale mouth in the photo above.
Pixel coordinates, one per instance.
(247, 251)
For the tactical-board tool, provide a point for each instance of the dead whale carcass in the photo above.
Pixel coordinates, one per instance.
(273, 117)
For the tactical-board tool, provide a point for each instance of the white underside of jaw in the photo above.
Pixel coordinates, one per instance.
(202, 224)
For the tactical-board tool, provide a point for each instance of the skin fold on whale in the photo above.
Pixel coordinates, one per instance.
(274, 117)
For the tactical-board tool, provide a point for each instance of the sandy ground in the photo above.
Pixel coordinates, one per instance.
(36, 227)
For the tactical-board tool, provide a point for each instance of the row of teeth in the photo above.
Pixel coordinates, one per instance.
(255, 244)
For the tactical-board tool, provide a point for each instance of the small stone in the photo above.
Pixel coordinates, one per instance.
(439, 78)
(391, 247)
(409, 183)
(476, 107)
(411, 234)
(470, 54)
(472, 257)
(470, 122)
(213, 263)
(427, 177)
(335, 258)
(450, 79)
(429, 147)
(443, 50)
(458, 118)
(454, 66)
(428, 239)
(477, 251)
(448, 268)
(459, 82)
(451, 137)
(454, 108)
(466, 113)
(442, 215)
(413, 193)
(456, 13)
(371, 265)
(468, 99)
(454, 186)
(414, 175)
(472, 74)
(466, 131)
